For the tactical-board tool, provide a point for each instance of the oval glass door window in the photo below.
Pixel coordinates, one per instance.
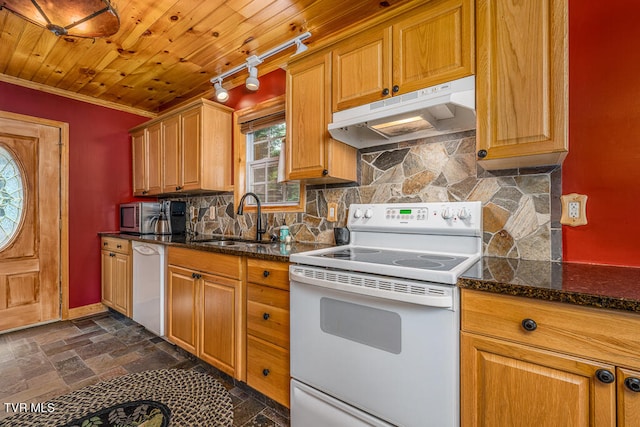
(11, 197)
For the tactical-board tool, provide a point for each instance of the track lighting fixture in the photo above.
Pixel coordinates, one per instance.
(221, 93)
(252, 82)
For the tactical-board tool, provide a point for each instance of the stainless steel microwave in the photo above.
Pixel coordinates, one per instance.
(139, 217)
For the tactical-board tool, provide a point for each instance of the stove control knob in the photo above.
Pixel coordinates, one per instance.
(368, 213)
(464, 213)
(357, 213)
(446, 213)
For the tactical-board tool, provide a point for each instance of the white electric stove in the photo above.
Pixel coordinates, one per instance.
(375, 323)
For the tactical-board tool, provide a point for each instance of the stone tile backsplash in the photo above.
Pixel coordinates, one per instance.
(521, 208)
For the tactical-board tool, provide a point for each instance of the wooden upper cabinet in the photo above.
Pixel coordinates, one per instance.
(140, 161)
(522, 75)
(311, 154)
(192, 147)
(147, 161)
(171, 149)
(421, 48)
(361, 68)
(154, 151)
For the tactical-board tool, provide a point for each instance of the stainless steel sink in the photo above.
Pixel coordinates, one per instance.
(222, 243)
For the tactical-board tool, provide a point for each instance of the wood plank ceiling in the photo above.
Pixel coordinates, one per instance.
(166, 51)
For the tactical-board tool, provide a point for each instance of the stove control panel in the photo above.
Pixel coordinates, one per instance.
(455, 217)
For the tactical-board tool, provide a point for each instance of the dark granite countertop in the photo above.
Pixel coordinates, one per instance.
(267, 251)
(582, 284)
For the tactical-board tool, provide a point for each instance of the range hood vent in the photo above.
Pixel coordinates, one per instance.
(436, 110)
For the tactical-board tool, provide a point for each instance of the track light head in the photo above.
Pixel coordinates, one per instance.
(221, 93)
(252, 82)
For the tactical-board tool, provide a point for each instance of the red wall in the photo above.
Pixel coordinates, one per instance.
(99, 176)
(100, 168)
(604, 129)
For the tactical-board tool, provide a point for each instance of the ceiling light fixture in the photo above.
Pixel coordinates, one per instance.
(78, 18)
(221, 93)
(252, 82)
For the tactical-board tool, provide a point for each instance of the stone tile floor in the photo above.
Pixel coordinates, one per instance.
(43, 362)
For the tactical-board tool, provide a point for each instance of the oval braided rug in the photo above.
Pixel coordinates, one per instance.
(194, 399)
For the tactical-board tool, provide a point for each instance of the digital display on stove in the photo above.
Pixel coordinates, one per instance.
(405, 211)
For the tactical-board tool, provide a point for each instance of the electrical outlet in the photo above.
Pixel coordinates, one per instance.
(212, 212)
(574, 209)
(192, 212)
(332, 212)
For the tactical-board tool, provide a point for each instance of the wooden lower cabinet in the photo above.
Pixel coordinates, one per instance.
(116, 268)
(205, 311)
(507, 384)
(527, 362)
(268, 328)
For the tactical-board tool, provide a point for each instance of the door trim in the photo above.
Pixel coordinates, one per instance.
(64, 201)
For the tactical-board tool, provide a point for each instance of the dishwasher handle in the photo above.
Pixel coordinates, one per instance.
(425, 294)
(146, 250)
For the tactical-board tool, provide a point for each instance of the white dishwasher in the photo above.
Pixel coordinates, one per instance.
(148, 286)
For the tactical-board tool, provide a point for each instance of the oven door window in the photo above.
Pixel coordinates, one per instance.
(366, 325)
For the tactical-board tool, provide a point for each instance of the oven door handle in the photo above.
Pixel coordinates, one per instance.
(432, 297)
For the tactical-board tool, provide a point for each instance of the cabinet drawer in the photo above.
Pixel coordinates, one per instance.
(268, 369)
(113, 244)
(209, 262)
(598, 334)
(268, 314)
(270, 273)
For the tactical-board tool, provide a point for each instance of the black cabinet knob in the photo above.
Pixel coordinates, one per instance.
(119, 246)
(529, 325)
(633, 384)
(605, 376)
(385, 91)
(265, 372)
(482, 154)
(266, 316)
(144, 192)
(265, 273)
(396, 89)
(325, 172)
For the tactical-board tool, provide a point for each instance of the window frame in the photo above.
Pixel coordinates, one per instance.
(257, 111)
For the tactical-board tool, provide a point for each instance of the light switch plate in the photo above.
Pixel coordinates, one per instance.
(574, 209)
(212, 212)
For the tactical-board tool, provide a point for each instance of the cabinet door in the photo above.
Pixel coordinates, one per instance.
(154, 162)
(140, 162)
(521, 82)
(433, 45)
(171, 148)
(218, 325)
(308, 117)
(182, 308)
(311, 154)
(191, 149)
(628, 397)
(507, 384)
(361, 69)
(107, 278)
(122, 284)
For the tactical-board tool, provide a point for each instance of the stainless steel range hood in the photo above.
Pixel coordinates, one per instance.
(436, 110)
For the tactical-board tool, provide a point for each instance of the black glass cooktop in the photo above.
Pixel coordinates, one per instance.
(419, 260)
